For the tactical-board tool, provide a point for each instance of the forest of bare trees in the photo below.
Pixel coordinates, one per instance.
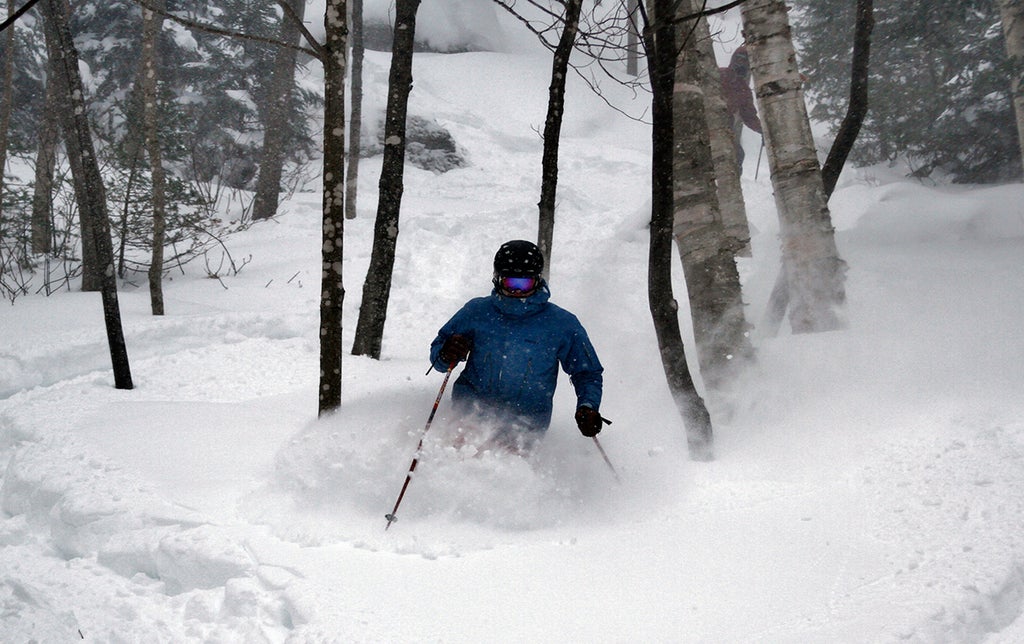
(129, 178)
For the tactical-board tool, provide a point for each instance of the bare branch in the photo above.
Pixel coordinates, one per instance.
(290, 13)
(17, 14)
(218, 31)
(703, 13)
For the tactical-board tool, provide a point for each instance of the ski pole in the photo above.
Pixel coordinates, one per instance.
(760, 151)
(608, 462)
(604, 455)
(391, 517)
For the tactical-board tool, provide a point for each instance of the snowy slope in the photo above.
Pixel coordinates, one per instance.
(869, 485)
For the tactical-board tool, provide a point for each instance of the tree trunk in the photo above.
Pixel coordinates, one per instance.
(355, 119)
(632, 37)
(89, 189)
(134, 147)
(1012, 13)
(280, 91)
(151, 25)
(92, 271)
(858, 107)
(712, 280)
(377, 286)
(660, 45)
(856, 111)
(332, 289)
(46, 161)
(6, 101)
(553, 128)
(814, 272)
(732, 210)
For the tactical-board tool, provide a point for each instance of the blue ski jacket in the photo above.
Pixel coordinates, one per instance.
(518, 344)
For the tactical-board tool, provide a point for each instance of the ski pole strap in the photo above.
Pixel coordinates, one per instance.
(431, 368)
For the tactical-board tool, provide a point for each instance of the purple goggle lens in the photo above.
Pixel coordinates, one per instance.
(518, 284)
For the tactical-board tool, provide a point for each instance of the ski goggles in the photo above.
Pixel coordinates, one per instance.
(518, 286)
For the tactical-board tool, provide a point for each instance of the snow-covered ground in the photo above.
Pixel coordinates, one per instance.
(868, 487)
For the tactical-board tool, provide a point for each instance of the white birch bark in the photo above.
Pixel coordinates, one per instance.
(707, 254)
(810, 260)
(731, 207)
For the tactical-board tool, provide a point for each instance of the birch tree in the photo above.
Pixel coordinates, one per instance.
(708, 259)
(850, 127)
(813, 270)
(377, 286)
(731, 207)
(1012, 14)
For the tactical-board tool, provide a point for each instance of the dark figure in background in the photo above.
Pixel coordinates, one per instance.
(514, 341)
(739, 99)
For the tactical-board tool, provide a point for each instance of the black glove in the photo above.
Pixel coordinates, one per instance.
(589, 421)
(455, 349)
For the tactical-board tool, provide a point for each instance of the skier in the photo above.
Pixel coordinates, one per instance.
(513, 342)
(739, 99)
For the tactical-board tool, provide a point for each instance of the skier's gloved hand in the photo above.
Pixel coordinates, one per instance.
(589, 421)
(455, 349)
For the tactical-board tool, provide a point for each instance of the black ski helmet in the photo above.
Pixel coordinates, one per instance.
(518, 258)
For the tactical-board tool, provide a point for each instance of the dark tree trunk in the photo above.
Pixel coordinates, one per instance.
(660, 44)
(133, 147)
(858, 108)
(355, 119)
(332, 289)
(46, 161)
(89, 190)
(632, 37)
(6, 99)
(149, 84)
(377, 286)
(553, 128)
(92, 271)
(280, 92)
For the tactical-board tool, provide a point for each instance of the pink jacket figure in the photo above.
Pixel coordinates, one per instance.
(739, 98)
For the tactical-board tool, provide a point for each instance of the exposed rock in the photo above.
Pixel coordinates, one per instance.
(428, 146)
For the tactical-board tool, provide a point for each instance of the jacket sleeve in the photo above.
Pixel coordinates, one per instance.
(458, 324)
(747, 110)
(739, 98)
(584, 369)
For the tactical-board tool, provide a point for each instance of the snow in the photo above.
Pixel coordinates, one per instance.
(868, 486)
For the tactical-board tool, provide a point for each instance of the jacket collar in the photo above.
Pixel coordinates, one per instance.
(521, 307)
